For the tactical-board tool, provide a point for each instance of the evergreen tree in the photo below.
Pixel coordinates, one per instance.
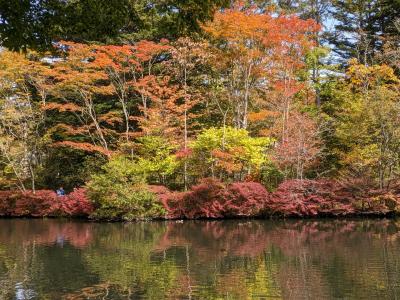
(361, 27)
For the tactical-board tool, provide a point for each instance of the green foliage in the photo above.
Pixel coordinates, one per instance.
(169, 18)
(363, 113)
(154, 158)
(120, 193)
(228, 152)
(68, 168)
(271, 176)
(36, 24)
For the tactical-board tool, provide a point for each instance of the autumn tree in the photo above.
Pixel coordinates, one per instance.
(258, 52)
(129, 69)
(188, 59)
(365, 111)
(162, 115)
(21, 121)
(103, 97)
(301, 147)
(77, 86)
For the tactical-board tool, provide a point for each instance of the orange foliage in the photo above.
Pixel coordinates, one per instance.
(273, 41)
(70, 107)
(226, 160)
(164, 115)
(262, 115)
(124, 58)
(83, 146)
(111, 118)
(260, 53)
(71, 130)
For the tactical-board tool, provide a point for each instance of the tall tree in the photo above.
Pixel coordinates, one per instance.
(365, 114)
(21, 122)
(127, 68)
(77, 86)
(361, 26)
(36, 24)
(188, 57)
(257, 53)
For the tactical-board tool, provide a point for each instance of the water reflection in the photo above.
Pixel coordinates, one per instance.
(54, 259)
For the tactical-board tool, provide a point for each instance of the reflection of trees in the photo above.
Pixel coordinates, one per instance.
(217, 259)
(37, 256)
(300, 259)
(42, 231)
(218, 239)
(121, 254)
(295, 259)
(98, 291)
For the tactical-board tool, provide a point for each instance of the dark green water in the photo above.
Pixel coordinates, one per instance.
(329, 259)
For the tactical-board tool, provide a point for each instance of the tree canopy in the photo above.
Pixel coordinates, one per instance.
(36, 24)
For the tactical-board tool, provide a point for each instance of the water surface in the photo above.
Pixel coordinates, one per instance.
(314, 259)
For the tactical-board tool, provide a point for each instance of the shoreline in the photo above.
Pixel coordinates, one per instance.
(365, 216)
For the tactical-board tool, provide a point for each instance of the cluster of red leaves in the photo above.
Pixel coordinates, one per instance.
(245, 199)
(202, 201)
(212, 199)
(310, 198)
(293, 198)
(44, 203)
(330, 198)
(76, 203)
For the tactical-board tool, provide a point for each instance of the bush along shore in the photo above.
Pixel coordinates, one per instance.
(209, 199)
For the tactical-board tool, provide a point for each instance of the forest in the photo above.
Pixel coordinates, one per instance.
(199, 109)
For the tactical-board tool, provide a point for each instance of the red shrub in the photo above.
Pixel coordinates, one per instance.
(245, 199)
(309, 198)
(212, 199)
(44, 203)
(202, 201)
(76, 203)
(16, 203)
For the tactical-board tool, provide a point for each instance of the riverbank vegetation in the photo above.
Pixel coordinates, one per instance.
(252, 108)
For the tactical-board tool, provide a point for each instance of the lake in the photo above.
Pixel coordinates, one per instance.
(233, 259)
